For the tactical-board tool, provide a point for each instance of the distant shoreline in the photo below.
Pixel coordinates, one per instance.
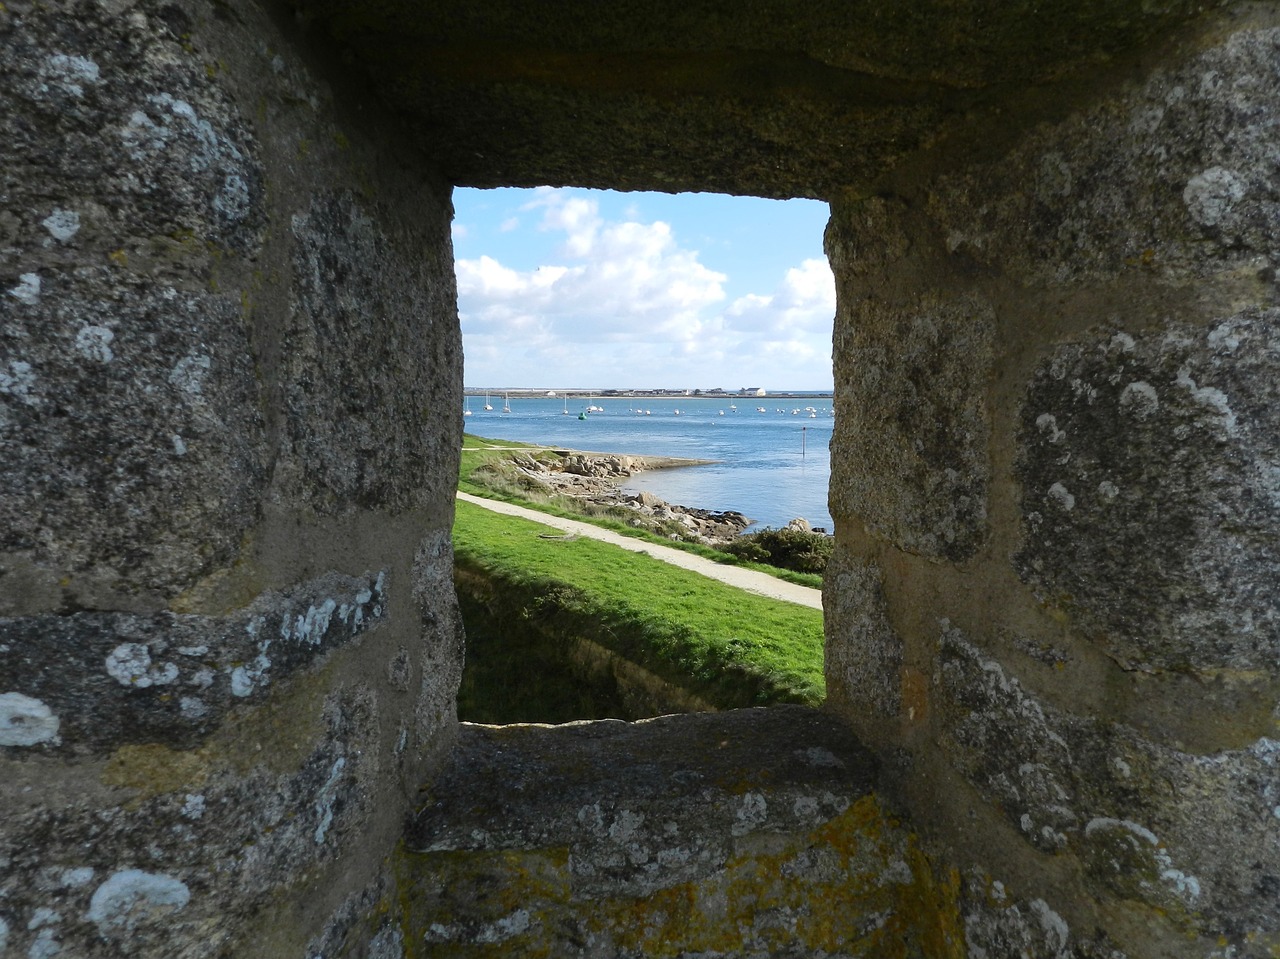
(656, 394)
(641, 463)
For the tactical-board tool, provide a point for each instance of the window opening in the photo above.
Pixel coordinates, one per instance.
(692, 327)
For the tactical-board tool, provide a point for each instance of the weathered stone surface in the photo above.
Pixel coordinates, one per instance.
(747, 833)
(371, 355)
(1174, 177)
(110, 679)
(996, 925)
(863, 652)
(1150, 471)
(175, 857)
(366, 925)
(442, 650)
(910, 443)
(132, 451)
(1192, 836)
(226, 320)
(223, 313)
(764, 99)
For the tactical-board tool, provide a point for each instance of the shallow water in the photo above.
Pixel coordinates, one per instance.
(772, 466)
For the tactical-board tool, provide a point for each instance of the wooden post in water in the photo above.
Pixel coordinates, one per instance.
(804, 435)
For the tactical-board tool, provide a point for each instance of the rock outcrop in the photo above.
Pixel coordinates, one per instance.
(592, 478)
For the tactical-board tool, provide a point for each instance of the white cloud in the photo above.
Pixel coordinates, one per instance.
(624, 303)
(805, 301)
(509, 224)
(622, 283)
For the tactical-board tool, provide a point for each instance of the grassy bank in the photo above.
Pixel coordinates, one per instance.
(730, 647)
(491, 473)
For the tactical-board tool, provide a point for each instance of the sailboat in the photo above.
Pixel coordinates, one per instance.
(487, 404)
(467, 407)
(565, 411)
(506, 403)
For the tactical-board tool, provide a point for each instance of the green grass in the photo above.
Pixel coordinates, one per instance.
(491, 474)
(729, 646)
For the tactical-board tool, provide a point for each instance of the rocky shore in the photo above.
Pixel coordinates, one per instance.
(593, 478)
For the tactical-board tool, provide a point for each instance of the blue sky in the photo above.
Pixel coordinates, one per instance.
(570, 288)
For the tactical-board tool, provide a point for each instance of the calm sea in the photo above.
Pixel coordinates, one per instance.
(772, 466)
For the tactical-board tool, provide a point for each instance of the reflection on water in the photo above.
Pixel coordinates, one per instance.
(771, 466)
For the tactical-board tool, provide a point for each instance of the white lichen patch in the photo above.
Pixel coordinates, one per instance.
(192, 708)
(44, 946)
(62, 224)
(1186, 887)
(142, 136)
(674, 857)
(512, 924)
(1209, 396)
(250, 676)
(1212, 194)
(1057, 935)
(193, 808)
(311, 626)
(1047, 424)
(591, 818)
(176, 122)
(189, 373)
(1061, 496)
(807, 810)
(233, 200)
(70, 73)
(94, 343)
(131, 896)
(130, 665)
(44, 916)
(28, 289)
(19, 382)
(820, 757)
(1122, 342)
(325, 799)
(1108, 491)
(246, 677)
(1140, 400)
(752, 813)
(26, 721)
(1223, 337)
(625, 826)
(76, 877)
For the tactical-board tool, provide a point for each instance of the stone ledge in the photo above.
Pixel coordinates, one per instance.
(749, 832)
(511, 787)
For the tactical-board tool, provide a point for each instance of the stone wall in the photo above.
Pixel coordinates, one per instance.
(229, 376)
(752, 832)
(1055, 485)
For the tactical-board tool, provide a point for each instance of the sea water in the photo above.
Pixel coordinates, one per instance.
(771, 466)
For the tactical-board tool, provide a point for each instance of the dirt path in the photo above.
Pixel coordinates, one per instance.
(747, 579)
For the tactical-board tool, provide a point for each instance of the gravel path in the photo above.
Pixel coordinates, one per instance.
(747, 579)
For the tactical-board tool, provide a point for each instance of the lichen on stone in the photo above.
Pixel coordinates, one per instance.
(1150, 477)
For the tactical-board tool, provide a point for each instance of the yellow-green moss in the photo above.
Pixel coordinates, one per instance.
(874, 894)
